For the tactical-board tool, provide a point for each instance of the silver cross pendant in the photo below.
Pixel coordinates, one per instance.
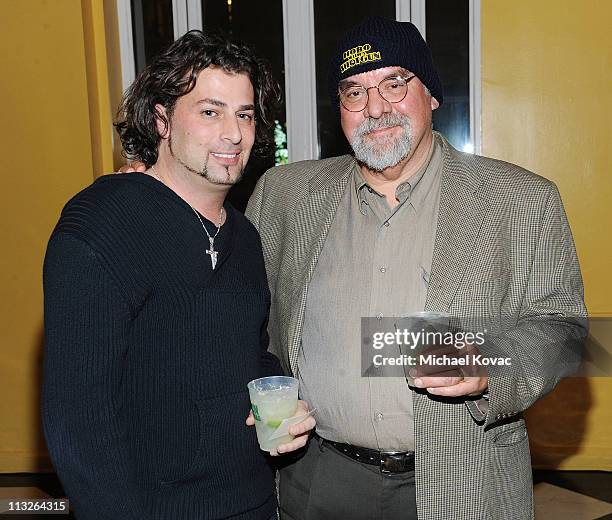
(212, 253)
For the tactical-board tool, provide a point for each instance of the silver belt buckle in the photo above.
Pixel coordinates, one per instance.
(393, 462)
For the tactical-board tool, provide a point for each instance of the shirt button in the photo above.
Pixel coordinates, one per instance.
(383, 269)
(387, 223)
(379, 416)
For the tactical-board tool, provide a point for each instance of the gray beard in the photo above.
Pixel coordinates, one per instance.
(381, 153)
(203, 172)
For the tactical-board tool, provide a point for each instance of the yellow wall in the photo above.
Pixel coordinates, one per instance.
(100, 115)
(46, 156)
(546, 93)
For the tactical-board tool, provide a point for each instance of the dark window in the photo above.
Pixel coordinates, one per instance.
(448, 34)
(152, 29)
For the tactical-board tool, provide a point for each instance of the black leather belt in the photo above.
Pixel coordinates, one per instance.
(387, 461)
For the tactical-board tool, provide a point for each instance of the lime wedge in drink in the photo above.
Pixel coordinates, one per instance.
(274, 423)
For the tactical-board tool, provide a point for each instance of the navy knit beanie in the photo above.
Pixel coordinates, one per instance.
(377, 43)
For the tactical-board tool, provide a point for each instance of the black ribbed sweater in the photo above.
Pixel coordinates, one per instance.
(147, 356)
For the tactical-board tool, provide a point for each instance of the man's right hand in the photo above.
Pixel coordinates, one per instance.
(131, 167)
(451, 381)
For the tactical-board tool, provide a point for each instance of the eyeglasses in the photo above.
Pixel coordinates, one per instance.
(355, 97)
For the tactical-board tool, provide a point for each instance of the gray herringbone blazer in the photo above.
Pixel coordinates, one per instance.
(503, 249)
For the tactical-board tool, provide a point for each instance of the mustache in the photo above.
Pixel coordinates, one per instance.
(381, 152)
(386, 120)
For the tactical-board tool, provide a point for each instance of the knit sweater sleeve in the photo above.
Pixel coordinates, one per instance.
(87, 321)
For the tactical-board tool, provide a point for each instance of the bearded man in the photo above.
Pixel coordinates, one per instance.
(408, 224)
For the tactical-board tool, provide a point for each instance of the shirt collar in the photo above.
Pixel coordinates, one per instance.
(413, 189)
(360, 182)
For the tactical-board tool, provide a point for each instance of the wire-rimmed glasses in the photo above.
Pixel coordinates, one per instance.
(394, 89)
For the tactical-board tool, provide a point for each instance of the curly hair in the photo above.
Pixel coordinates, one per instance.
(173, 74)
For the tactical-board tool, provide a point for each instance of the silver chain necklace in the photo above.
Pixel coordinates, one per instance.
(211, 240)
(211, 252)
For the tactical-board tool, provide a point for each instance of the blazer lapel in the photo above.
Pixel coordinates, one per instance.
(314, 216)
(460, 218)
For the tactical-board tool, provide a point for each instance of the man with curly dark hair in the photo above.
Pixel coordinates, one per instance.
(156, 304)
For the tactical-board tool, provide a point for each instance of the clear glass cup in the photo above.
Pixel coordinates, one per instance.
(273, 399)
